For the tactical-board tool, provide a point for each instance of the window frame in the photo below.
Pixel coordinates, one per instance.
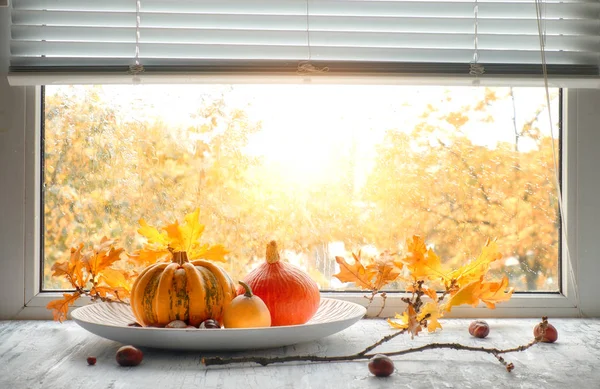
(537, 304)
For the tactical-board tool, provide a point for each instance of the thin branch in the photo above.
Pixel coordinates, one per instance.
(264, 361)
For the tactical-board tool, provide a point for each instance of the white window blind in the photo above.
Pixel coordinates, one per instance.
(274, 36)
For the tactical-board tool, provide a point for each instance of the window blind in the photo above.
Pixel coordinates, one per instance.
(275, 36)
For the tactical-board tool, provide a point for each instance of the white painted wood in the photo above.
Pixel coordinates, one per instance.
(44, 354)
(588, 199)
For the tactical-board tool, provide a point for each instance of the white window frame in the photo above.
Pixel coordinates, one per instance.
(581, 211)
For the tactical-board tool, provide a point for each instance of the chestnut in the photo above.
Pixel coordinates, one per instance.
(381, 365)
(479, 329)
(129, 356)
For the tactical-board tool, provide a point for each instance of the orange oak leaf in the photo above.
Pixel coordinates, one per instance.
(102, 257)
(116, 281)
(72, 269)
(60, 307)
(431, 293)
(103, 291)
(355, 273)
(408, 321)
(384, 273)
(490, 293)
(423, 263)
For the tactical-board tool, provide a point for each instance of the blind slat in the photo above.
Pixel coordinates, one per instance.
(70, 39)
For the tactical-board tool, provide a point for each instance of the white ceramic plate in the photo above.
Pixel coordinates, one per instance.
(110, 320)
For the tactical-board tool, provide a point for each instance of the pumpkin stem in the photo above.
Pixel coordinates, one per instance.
(272, 252)
(180, 257)
(247, 288)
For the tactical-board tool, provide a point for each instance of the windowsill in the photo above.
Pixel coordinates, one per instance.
(52, 355)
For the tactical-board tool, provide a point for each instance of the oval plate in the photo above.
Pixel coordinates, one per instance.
(110, 321)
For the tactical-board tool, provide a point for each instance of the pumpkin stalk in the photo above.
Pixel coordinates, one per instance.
(247, 289)
(272, 252)
(180, 257)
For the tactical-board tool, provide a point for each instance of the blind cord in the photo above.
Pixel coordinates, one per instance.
(137, 67)
(305, 67)
(475, 68)
(571, 272)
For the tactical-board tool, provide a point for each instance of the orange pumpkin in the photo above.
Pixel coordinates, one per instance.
(290, 294)
(181, 290)
(246, 311)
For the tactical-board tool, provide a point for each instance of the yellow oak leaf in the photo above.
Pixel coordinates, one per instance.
(355, 273)
(478, 291)
(408, 321)
(214, 253)
(152, 234)
(192, 229)
(177, 237)
(431, 312)
(494, 292)
(60, 307)
(474, 270)
(146, 257)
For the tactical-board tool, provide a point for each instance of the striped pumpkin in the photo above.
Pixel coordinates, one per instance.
(181, 290)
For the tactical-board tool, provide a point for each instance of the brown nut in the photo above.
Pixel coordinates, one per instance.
(381, 365)
(551, 334)
(129, 356)
(176, 324)
(210, 324)
(479, 329)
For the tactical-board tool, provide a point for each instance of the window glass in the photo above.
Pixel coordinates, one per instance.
(325, 170)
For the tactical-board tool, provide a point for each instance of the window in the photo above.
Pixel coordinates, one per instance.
(326, 170)
(321, 42)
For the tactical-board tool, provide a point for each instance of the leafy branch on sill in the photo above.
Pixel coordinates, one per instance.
(365, 353)
(91, 274)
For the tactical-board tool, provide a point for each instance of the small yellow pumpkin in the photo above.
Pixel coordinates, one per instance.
(181, 290)
(246, 311)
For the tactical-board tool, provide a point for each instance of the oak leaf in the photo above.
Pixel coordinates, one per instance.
(431, 312)
(355, 273)
(478, 291)
(176, 237)
(146, 257)
(72, 269)
(422, 262)
(374, 276)
(474, 270)
(102, 257)
(408, 321)
(60, 307)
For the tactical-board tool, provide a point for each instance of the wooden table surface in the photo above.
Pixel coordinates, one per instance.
(45, 354)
